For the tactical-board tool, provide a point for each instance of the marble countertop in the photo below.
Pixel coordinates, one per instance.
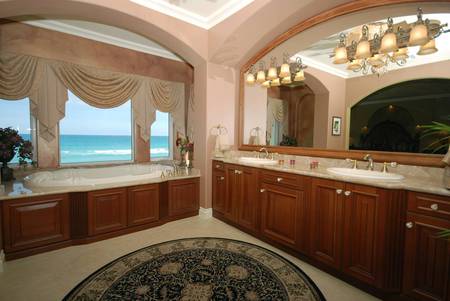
(18, 188)
(430, 184)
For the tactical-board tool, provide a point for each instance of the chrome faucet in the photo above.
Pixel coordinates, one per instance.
(265, 150)
(368, 158)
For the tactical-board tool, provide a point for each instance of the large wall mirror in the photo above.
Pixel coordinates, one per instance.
(381, 99)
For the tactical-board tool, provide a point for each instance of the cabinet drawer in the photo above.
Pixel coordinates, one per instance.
(284, 179)
(433, 205)
(217, 165)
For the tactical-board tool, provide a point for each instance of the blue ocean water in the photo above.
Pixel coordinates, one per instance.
(97, 148)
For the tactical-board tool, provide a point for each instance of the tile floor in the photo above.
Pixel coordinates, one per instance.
(49, 276)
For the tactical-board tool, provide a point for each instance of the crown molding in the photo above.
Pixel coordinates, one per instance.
(215, 18)
(100, 37)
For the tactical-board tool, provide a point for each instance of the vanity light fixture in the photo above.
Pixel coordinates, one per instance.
(288, 73)
(376, 54)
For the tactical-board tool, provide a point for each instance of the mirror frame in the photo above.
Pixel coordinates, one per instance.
(379, 156)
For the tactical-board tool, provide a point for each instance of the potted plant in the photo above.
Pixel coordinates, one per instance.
(11, 143)
(186, 149)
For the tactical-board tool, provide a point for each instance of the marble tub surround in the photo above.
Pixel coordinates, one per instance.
(19, 187)
(417, 178)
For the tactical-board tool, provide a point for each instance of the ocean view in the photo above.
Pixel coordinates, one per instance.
(97, 148)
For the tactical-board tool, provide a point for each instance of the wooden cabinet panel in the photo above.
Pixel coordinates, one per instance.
(233, 192)
(34, 222)
(219, 191)
(143, 204)
(326, 221)
(183, 196)
(107, 210)
(360, 233)
(247, 209)
(281, 212)
(427, 259)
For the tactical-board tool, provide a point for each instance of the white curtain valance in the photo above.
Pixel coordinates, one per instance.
(46, 82)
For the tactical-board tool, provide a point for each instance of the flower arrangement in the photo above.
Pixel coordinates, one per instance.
(11, 143)
(186, 148)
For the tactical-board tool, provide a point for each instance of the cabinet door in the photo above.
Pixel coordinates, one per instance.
(326, 221)
(359, 254)
(35, 222)
(427, 259)
(183, 197)
(281, 213)
(233, 192)
(219, 191)
(107, 210)
(247, 199)
(143, 204)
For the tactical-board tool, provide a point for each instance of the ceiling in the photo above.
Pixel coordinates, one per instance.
(318, 54)
(201, 13)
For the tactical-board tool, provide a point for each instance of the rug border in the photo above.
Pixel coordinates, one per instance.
(306, 277)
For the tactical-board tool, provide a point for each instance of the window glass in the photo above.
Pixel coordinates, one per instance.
(160, 136)
(89, 134)
(16, 114)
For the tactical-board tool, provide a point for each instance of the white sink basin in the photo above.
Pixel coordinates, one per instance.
(365, 174)
(261, 161)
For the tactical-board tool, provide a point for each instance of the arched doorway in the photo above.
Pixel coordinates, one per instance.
(393, 118)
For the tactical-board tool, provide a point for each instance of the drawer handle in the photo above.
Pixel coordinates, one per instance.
(409, 225)
(222, 178)
(338, 191)
(434, 207)
(262, 190)
(218, 166)
(279, 179)
(347, 193)
(238, 172)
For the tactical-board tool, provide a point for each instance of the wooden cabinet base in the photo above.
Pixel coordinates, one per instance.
(33, 225)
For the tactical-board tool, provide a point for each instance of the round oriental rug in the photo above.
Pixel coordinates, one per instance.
(198, 269)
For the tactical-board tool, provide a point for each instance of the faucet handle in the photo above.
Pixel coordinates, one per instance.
(354, 163)
(385, 166)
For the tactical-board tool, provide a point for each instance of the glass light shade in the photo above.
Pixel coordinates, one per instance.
(363, 50)
(354, 65)
(272, 73)
(376, 60)
(299, 76)
(250, 79)
(260, 77)
(401, 54)
(286, 80)
(418, 35)
(340, 55)
(389, 43)
(266, 84)
(428, 48)
(275, 82)
(285, 70)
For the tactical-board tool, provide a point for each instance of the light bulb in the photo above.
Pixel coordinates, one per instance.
(389, 43)
(285, 70)
(275, 82)
(354, 65)
(418, 35)
(363, 50)
(299, 76)
(260, 77)
(340, 55)
(250, 79)
(428, 48)
(272, 73)
(286, 80)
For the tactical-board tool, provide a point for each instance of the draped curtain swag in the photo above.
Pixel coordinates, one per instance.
(45, 82)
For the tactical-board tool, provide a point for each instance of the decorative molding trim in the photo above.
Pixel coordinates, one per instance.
(323, 67)
(100, 37)
(215, 18)
(205, 212)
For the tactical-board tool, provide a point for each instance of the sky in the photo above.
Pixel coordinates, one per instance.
(81, 119)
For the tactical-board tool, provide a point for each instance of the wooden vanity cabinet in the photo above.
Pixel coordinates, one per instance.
(35, 222)
(143, 204)
(183, 197)
(426, 274)
(107, 210)
(283, 211)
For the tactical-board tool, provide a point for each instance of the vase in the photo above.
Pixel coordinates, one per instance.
(6, 172)
(182, 159)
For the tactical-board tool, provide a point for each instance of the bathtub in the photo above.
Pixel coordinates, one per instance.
(88, 177)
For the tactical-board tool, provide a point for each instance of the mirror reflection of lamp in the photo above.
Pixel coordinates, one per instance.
(272, 73)
(261, 75)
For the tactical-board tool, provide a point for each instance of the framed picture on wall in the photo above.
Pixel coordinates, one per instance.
(336, 126)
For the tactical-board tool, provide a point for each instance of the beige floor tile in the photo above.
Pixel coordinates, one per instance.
(49, 276)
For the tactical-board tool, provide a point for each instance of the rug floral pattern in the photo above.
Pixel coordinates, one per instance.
(198, 269)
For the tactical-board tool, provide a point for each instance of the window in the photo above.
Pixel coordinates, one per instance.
(89, 134)
(161, 137)
(16, 114)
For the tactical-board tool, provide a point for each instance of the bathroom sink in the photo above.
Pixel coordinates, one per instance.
(365, 174)
(261, 161)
